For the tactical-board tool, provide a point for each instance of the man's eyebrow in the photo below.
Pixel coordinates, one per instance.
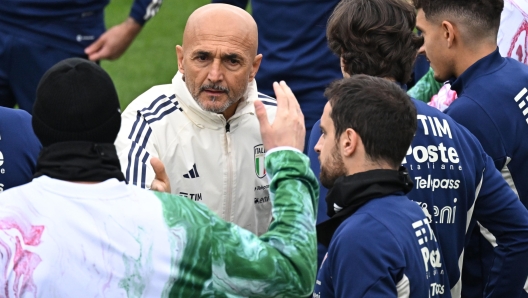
(232, 56)
(418, 27)
(202, 52)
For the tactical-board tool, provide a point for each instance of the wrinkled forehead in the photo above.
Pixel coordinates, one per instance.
(221, 28)
(215, 40)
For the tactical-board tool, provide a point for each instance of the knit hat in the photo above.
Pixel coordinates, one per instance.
(76, 101)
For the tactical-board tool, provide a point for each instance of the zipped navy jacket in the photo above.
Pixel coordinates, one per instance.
(457, 183)
(492, 104)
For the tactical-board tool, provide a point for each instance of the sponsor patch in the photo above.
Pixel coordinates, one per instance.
(260, 154)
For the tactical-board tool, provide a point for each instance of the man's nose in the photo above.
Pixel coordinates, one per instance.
(421, 50)
(216, 72)
(318, 146)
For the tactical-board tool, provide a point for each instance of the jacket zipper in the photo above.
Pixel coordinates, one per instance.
(229, 172)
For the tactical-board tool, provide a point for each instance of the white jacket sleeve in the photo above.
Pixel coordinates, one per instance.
(135, 145)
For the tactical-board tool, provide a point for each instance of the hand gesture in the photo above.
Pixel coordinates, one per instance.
(161, 181)
(114, 42)
(288, 127)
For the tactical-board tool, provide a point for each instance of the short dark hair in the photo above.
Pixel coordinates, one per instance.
(380, 112)
(482, 16)
(375, 37)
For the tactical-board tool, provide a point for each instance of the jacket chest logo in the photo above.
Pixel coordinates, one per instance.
(260, 153)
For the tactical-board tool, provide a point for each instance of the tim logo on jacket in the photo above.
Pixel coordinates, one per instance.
(431, 257)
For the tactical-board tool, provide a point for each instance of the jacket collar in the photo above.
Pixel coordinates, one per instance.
(480, 68)
(349, 193)
(207, 119)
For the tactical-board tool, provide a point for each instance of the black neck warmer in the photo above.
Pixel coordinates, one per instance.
(349, 193)
(79, 161)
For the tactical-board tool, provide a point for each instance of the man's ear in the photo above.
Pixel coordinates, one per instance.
(255, 67)
(349, 142)
(179, 56)
(449, 33)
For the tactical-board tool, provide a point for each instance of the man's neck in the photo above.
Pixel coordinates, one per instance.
(469, 56)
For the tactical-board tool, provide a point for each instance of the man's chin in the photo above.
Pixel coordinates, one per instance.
(326, 182)
(440, 78)
(216, 104)
(214, 108)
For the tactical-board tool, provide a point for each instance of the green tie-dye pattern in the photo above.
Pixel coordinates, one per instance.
(136, 272)
(425, 88)
(221, 259)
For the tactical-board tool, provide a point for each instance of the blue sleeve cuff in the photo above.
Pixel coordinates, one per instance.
(143, 10)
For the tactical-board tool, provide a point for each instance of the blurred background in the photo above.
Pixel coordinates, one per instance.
(151, 59)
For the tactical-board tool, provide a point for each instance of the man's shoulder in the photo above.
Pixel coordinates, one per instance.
(150, 96)
(424, 109)
(393, 212)
(367, 226)
(154, 105)
(10, 115)
(372, 217)
(491, 89)
(18, 196)
(439, 125)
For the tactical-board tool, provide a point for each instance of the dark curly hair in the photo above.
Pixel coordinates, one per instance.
(482, 16)
(373, 107)
(375, 37)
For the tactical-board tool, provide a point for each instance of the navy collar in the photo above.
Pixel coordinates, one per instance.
(480, 68)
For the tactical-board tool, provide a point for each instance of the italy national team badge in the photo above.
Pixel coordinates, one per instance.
(260, 168)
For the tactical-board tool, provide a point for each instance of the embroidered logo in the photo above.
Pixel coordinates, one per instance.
(260, 168)
(193, 173)
(523, 102)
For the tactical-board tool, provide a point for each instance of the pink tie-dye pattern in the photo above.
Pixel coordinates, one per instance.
(444, 98)
(24, 261)
(521, 51)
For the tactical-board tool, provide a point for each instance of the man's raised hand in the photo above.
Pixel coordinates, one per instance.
(161, 182)
(288, 127)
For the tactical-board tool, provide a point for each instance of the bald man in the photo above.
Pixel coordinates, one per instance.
(203, 126)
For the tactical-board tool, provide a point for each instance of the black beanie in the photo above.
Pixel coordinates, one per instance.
(76, 101)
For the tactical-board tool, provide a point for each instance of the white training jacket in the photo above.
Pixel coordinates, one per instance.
(208, 160)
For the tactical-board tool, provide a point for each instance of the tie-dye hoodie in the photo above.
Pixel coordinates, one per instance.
(63, 239)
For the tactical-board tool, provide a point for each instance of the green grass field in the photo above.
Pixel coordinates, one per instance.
(151, 60)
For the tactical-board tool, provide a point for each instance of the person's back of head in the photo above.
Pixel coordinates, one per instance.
(77, 117)
(76, 101)
(374, 37)
(379, 111)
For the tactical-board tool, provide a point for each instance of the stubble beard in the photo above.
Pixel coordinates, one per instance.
(231, 98)
(332, 169)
